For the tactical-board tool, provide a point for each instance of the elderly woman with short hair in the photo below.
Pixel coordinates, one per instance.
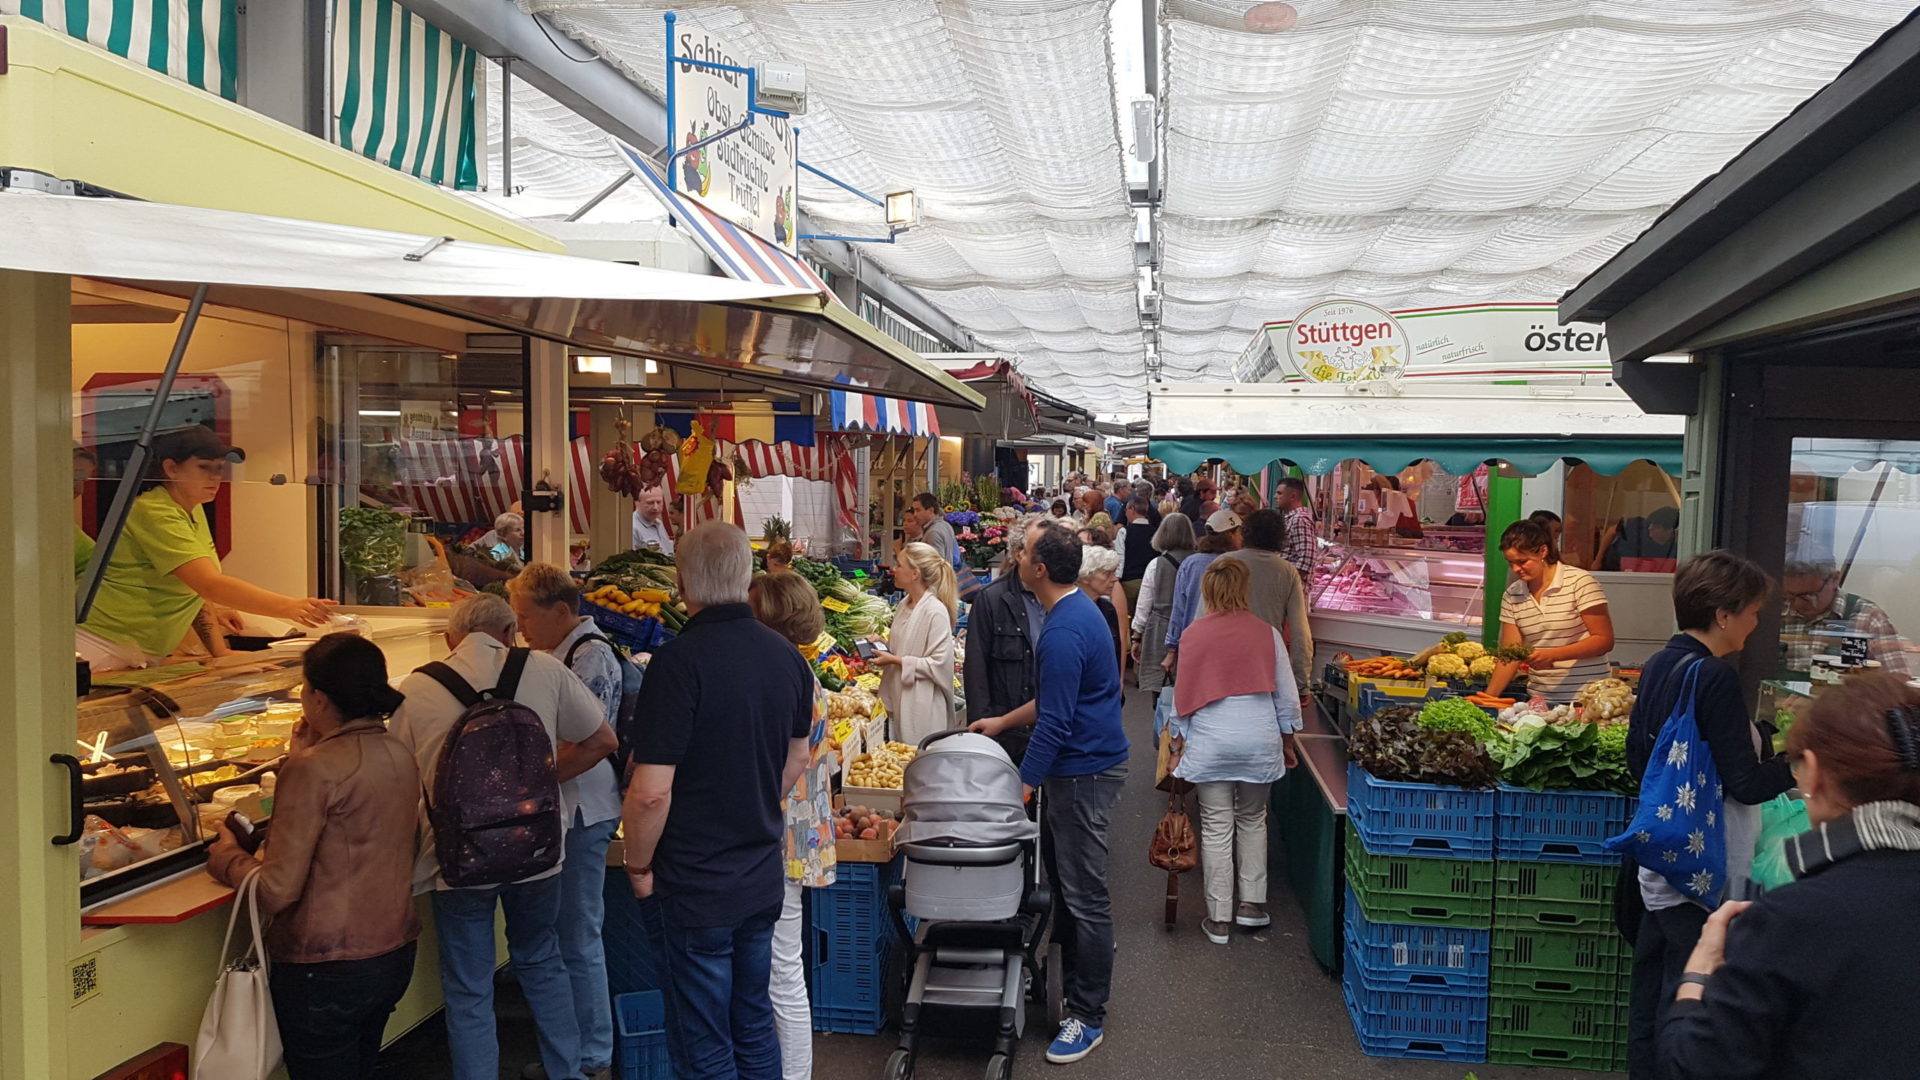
(509, 538)
(1100, 579)
(1174, 541)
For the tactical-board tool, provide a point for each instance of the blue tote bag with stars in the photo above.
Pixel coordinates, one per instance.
(1680, 829)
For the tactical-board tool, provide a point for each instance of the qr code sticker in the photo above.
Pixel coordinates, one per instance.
(86, 978)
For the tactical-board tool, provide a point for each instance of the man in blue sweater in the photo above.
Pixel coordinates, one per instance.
(1079, 751)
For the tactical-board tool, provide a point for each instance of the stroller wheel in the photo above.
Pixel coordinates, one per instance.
(899, 1066)
(999, 1067)
(1056, 987)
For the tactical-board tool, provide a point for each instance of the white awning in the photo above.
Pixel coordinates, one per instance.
(1318, 425)
(127, 240)
(778, 333)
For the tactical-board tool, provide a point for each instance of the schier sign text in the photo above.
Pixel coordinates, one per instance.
(1349, 341)
(749, 177)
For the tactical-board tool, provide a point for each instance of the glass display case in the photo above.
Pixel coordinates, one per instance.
(167, 753)
(1401, 581)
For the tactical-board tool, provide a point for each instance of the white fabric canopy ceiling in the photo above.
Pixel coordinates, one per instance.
(1408, 153)
(999, 113)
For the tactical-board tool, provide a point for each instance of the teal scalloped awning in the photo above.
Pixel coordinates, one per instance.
(1457, 456)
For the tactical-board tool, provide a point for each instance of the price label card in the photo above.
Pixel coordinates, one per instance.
(836, 604)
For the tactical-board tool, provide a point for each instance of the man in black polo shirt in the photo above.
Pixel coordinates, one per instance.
(724, 716)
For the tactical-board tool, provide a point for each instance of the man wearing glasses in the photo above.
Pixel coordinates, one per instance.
(1819, 616)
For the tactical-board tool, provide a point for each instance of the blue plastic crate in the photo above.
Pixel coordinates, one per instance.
(638, 634)
(640, 1036)
(1558, 826)
(851, 937)
(1436, 1027)
(1419, 819)
(1373, 699)
(1414, 958)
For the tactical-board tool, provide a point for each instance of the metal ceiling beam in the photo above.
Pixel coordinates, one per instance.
(573, 75)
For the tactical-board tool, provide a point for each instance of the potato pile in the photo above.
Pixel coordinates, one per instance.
(862, 823)
(885, 767)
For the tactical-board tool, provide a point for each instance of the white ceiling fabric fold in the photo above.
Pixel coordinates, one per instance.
(998, 113)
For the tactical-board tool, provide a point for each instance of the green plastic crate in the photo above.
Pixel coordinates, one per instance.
(1416, 889)
(1549, 964)
(1553, 915)
(1587, 1023)
(1556, 1053)
(1556, 895)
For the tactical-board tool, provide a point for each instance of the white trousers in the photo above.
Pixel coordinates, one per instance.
(792, 1013)
(1233, 828)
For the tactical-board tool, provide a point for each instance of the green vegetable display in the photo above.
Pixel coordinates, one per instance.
(1392, 745)
(1454, 714)
(373, 542)
(1566, 757)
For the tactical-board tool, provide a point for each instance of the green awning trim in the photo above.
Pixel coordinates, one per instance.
(1457, 456)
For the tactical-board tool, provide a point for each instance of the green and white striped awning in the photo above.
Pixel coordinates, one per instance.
(405, 93)
(195, 41)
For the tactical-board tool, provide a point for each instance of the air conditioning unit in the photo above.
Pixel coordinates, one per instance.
(780, 85)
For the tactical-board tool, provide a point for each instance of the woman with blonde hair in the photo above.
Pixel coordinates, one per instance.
(916, 682)
(786, 602)
(1236, 711)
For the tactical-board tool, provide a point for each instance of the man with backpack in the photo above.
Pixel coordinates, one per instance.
(546, 602)
(724, 719)
(495, 731)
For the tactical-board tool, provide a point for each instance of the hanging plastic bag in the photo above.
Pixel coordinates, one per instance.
(1782, 819)
(696, 458)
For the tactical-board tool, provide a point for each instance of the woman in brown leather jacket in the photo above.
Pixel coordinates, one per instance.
(336, 870)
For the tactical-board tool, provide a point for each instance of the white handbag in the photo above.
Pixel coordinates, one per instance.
(239, 1038)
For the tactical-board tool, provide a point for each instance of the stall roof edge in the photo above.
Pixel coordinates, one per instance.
(1881, 83)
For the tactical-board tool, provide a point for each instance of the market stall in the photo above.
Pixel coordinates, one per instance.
(1376, 592)
(384, 371)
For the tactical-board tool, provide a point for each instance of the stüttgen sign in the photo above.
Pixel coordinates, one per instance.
(1348, 341)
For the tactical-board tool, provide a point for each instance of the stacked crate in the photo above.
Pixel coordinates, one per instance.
(1560, 971)
(1419, 917)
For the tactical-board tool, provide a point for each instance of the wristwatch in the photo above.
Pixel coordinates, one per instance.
(1694, 978)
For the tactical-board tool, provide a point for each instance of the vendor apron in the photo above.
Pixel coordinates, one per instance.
(103, 655)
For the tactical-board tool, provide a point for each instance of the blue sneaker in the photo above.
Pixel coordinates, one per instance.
(1075, 1041)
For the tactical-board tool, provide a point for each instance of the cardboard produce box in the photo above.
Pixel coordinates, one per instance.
(866, 851)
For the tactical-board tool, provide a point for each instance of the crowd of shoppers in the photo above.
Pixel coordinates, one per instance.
(722, 788)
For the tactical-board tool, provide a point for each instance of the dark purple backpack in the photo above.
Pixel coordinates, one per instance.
(495, 804)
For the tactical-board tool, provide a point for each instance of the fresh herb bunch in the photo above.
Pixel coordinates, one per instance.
(373, 541)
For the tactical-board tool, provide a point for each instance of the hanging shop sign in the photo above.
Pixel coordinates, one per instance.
(748, 177)
(1347, 341)
(1335, 342)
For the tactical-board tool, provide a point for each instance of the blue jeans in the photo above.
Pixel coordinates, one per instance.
(1078, 810)
(464, 920)
(583, 912)
(719, 1015)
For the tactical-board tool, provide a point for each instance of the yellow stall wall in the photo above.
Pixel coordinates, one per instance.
(78, 113)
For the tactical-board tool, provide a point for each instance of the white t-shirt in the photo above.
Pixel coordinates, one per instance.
(561, 700)
(1553, 620)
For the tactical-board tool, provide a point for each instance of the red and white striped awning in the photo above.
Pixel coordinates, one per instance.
(471, 481)
(830, 461)
(740, 254)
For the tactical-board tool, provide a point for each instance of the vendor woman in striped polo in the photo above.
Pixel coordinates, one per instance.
(1557, 609)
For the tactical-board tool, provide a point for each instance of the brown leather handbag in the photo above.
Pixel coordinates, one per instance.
(1174, 849)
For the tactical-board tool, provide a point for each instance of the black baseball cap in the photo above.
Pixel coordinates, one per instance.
(197, 441)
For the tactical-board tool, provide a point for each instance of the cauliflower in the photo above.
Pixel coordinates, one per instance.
(1447, 666)
(1469, 650)
(1481, 667)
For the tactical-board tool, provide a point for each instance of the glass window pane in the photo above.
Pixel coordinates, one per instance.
(1852, 577)
(423, 465)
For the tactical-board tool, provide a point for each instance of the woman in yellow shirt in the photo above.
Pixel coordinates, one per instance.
(164, 569)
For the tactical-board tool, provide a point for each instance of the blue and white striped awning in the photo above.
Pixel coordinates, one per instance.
(195, 41)
(405, 93)
(854, 411)
(740, 254)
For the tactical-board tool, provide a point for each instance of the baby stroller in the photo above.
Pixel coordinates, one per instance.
(979, 951)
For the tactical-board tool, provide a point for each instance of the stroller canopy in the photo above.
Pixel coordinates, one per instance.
(963, 789)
